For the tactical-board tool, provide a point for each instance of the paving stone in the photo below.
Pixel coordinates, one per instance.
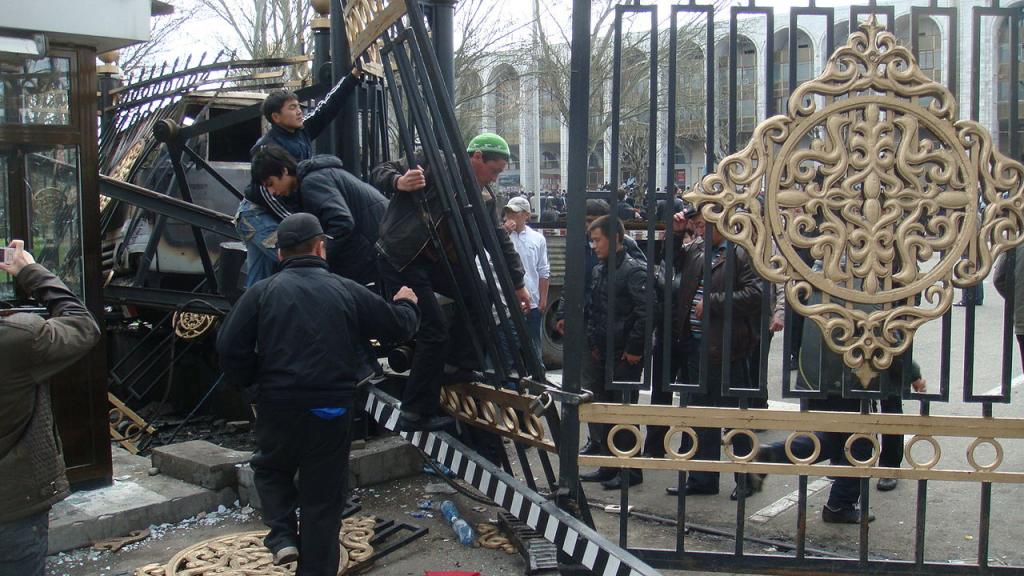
(200, 462)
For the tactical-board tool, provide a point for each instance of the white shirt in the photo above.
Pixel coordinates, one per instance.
(533, 251)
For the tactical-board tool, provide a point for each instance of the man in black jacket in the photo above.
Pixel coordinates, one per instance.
(32, 349)
(409, 257)
(349, 210)
(692, 301)
(627, 331)
(296, 343)
(260, 211)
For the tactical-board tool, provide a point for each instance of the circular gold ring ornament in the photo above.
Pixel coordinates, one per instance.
(632, 429)
(727, 442)
(908, 452)
(875, 450)
(995, 461)
(814, 454)
(671, 452)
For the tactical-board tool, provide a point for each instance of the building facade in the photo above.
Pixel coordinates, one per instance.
(517, 105)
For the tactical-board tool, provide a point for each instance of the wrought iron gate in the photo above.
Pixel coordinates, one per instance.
(902, 202)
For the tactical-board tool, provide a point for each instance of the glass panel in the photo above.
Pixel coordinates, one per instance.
(36, 92)
(55, 219)
(6, 281)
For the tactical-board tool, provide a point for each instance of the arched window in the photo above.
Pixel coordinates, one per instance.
(506, 105)
(804, 66)
(1003, 92)
(469, 103)
(929, 44)
(746, 90)
(691, 93)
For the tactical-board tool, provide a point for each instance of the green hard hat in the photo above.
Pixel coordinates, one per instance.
(488, 142)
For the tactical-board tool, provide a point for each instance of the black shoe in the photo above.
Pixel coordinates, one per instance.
(886, 484)
(754, 483)
(600, 475)
(286, 555)
(413, 422)
(463, 375)
(590, 448)
(635, 477)
(691, 491)
(843, 516)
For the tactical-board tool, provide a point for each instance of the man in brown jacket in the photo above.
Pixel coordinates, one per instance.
(32, 349)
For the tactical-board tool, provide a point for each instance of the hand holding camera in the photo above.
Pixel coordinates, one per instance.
(14, 258)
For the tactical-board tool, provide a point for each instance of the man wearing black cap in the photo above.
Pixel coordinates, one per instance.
(296, 342)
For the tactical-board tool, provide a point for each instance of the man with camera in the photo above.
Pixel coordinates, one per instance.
(33, 349)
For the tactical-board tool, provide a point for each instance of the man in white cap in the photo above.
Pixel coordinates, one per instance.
(533, 252)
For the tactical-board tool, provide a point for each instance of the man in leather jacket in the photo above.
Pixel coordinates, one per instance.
(407, 256)
(628, 295)
(32, 350)
(692, 301)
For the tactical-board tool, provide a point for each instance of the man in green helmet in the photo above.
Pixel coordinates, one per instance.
(409, 258)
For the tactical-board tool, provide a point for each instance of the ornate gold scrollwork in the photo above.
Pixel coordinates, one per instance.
(244, 553)
(871, 172)
(501, 411)
(192, 325)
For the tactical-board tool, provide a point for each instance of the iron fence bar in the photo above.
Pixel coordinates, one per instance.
(202, 163)
(455, 203)
(801, 517)
(524, 464)
(707, 10)
(920, 521)
(650, 320)
(430, 150)
(985, 517)
(151, 246)
(570, 489)
(611, 263)
(865, 499)
(175, 149)
(481, 227)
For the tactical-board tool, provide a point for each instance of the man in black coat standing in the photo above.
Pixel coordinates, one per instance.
(349, 210)
(296, 342)
(692, 301)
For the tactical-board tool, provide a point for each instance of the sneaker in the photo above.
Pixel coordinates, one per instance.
(286, 555)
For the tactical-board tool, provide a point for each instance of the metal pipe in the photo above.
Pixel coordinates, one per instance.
(321, 26)
(442, 16)
(570, 490)
(345, 130)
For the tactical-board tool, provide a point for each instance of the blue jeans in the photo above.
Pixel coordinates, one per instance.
(258, 229)
(23, 544)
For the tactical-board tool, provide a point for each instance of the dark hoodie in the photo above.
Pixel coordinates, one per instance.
(349, 210)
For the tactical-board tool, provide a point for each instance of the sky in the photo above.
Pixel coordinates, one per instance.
(205, 32)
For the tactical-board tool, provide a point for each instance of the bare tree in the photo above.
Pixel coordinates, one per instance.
(486, 35)
(162, 30)
(263, 28)
(553, 54)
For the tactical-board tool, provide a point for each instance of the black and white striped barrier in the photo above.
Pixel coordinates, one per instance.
(582, 543)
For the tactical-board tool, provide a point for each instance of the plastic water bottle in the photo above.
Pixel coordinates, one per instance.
(462, 529)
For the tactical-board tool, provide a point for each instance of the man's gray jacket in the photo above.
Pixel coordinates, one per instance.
(32, 350)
